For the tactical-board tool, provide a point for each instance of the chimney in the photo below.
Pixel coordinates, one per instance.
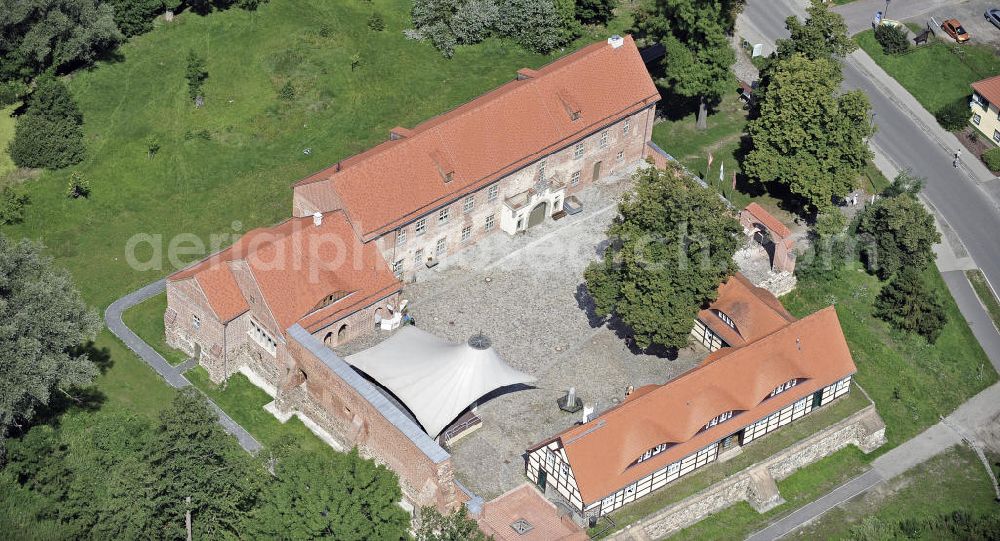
(317, 219)
(526, 73)
(398, 133)
(616, 41)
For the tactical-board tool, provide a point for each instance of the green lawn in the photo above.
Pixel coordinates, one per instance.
(146, 320)
(6, 134)
(800, 488)
(911, 382)
(936, 74)
(985, 294)
(691, 146)
(752, 453)
(952, 481)
(244, 402)
(235, 159)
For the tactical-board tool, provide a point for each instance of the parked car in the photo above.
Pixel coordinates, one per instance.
(993, 15)
(954, 29)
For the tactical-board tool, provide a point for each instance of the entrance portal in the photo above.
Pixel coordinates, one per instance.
(537, 215)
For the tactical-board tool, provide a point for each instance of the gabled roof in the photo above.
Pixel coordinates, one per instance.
(296, 265)
(754, 311)
(602, 451)
(482, 140)
(989, 89)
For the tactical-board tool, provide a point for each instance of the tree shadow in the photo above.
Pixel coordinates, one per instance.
(101, 357)
(616, 325)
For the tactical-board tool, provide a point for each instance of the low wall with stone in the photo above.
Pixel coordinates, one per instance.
(864, 429)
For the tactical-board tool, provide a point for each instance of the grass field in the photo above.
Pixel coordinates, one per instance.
(911, 381)
(985, 294)
(952, 481)
(6, 134)
(800, 488)
(244, 402)
(752, 453)
(146, 320)
(936, 74)
(691, 146)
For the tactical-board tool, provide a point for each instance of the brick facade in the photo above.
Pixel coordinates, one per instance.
(559, 169)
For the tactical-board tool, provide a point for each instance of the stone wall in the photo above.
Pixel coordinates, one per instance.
(864, 429)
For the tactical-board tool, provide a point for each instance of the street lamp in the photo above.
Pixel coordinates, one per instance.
(871, 125)
(885, 12)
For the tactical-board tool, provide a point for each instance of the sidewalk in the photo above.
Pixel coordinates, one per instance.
(172, 375)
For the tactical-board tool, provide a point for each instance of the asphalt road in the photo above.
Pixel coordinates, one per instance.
(967, 208)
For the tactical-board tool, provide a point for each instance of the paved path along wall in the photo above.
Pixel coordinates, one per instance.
(172, 375)
(864, 429)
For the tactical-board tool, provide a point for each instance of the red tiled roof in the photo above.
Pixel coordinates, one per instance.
(601, 451)
(989, 89)
(489, 137)
(526, 503)
(296, 264)
(754, 310)
(769, 221)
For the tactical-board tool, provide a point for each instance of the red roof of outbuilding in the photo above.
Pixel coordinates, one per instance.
(489, 137)
(754, 311)
(602, 451)
(297, 264)
(989, 89)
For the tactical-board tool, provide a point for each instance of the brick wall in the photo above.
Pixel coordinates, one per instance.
(864, 429)
(350, 409)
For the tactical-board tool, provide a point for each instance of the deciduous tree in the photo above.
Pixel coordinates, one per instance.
(823, 35)
(808, 136)
(595, 11)
(334, 496)
(41, 318)
(455, 526)
(698, 55)
(670, 247)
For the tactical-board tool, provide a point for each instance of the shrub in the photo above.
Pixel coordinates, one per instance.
(152, 146)
(195, 74)
(475, 21)
(954, 116)
(78, 186)
(376, 23)
(992, 159)
(325, 31)
(355, 61)
(12, 206)
(893, 40)
(287, 92)
(11, 92)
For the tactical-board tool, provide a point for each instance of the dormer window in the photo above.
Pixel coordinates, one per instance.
(784, 387)
(720, 419)
(652, 452)
(444, 166)
(725, 319)
(570, 105)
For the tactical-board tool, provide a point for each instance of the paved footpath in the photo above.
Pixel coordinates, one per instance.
(172, 375)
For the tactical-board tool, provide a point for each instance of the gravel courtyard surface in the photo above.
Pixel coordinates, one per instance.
(526, 294)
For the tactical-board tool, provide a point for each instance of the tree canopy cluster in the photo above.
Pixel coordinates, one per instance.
(698, 54)
(897, 234)
(670, 246)
(539, 25)
(807, 136)
(121, 476)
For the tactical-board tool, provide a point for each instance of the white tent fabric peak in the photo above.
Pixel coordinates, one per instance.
(435, 378)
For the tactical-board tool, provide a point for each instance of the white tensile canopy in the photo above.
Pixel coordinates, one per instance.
(435, 378)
